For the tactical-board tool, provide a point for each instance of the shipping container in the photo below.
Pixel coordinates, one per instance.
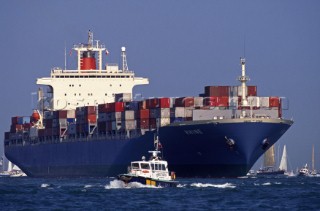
(72, 129)
(162, 122)
(250, 91)
(102, 126)
(211, 114)
(71, 114)
(123, 97)
(198, 101)
(143, 123)
(134, 105)
(233, 102)
(60, 114)
(116, 125)
(142, 104)
(180, 112)
(7, 135)
(59, 123)
(264, 102)
(128, 124)
(274, 101)
(102, 117)
(184, 102)
(14, 120)
(114, 116)
(127, 115)
(143, 114)
(41, 132)
(23, 119)
(160, 113)
(153, 123)
(216, 91)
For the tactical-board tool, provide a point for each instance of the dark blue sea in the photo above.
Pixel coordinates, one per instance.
(255, 193)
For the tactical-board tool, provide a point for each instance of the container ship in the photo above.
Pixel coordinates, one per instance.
(88, 123)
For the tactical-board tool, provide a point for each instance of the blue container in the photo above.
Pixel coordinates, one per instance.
(23, 119)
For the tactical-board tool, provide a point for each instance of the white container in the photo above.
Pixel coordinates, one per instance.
(198, 101)
(127, 115)
(163, 122)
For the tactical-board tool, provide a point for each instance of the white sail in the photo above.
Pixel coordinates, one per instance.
(9, 166)
(283, 162)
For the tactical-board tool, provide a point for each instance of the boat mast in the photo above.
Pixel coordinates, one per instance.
(243, 79)
(312, 157)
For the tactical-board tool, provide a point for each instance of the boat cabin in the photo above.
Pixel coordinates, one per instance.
(154, 168)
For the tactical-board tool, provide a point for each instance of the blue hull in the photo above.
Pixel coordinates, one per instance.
(192, 150)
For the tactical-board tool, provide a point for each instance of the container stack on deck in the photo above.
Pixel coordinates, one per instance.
(135, 117)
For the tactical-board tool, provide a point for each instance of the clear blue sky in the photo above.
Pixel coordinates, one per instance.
(180, 45)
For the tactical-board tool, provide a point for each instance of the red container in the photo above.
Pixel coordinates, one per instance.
(164, 102)
(153, 123)
(115, 107)
(184, 102)
(274, 102)
(143, 114)
(90, 110)
(14, 120)
(252, 91)
(223, 101)
(16, 128)
(217, 91)
(210, 101)
(143, 123)
(90, 118)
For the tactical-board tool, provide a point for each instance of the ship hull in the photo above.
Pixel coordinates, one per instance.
(195, 149)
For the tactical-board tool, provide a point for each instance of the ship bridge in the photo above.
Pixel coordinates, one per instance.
(89, 84)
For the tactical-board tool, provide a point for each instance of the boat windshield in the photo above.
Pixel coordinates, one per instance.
(145, 166)
(135, 166)
(158, 166)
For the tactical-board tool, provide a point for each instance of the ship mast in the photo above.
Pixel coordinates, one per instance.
(124, 60)
(243, 79)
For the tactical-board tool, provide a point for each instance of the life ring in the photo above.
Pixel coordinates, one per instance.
(145, 171)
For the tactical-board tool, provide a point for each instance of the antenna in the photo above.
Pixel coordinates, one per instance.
(65, 56)
(244, 47)
(124, 60)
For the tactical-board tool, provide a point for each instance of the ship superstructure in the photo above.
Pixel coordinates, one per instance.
(87, 124)
(89, 84)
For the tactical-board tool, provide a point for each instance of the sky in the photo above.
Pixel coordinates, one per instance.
(181, 46)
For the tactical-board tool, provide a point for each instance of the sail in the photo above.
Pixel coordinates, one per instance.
(269, 157)
(9, 166)
(283, 162)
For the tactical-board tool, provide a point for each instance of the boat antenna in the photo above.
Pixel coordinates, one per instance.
(65, 56)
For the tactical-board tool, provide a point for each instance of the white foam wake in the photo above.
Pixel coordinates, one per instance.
(118, 184)
(201, 185)
(44, 185)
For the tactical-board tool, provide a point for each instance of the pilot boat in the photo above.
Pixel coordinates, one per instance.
(153, 172)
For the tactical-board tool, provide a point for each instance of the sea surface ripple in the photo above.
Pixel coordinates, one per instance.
(267, 193)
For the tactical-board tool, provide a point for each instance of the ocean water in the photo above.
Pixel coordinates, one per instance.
(257, 193)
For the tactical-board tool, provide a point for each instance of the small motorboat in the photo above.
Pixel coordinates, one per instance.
(153, 172)
(304, 171)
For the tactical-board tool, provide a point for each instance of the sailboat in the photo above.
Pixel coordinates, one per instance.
(269, 163)
(313, 171)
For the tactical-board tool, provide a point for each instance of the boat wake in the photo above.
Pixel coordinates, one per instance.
(118, 184)
(206, 185)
